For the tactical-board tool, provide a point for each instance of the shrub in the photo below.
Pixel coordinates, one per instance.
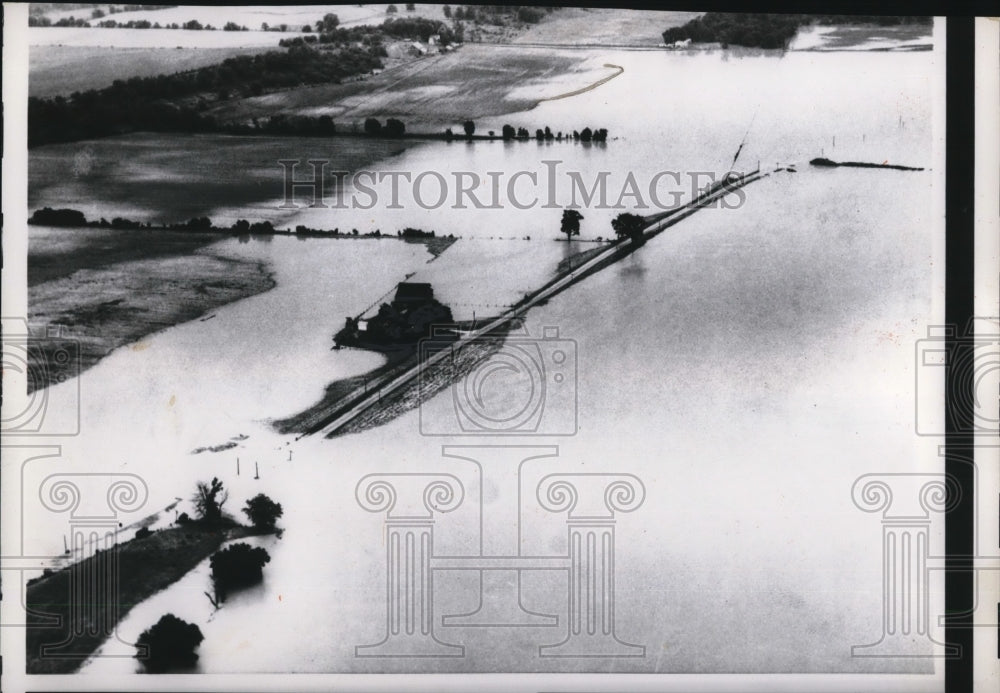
(262, 511)
(171, 643)
(239, 565)
(530, 15)
(142, 533)
(394, 127)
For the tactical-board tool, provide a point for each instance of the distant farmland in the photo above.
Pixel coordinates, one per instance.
(55, 70)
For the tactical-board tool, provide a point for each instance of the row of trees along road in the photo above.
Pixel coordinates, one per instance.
(625, 225)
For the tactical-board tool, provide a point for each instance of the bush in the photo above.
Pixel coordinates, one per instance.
(394, 127)
(530, 15)
(171, 644)
(183, 519)
(239, 565)
(58, 217)
(142, 533)
(262, 511)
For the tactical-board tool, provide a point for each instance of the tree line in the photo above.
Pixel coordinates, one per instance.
(143, 103)
(508, 132)
(151, 103)
(37, 14)
(74, 218)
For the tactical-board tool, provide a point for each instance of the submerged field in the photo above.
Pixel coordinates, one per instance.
(112, 290)
(165, 178)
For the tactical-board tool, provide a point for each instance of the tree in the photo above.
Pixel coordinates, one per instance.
(391, 9)
(530, 15)
(470, 128)
(170, 644)
(586, 134)
(627, 225)
(262, 511)
(447, 11)
(570, 223)
(208, 500)
(410, 7)
(394, 128)
(239, 565)
(372, 126)
(507, 130)
(329, 22)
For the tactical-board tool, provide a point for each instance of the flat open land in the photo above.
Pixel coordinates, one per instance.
(474, 82)
(604, 27)
(64, 69)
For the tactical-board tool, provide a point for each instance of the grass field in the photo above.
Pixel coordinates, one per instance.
(150, 38)
(55, 70)
(476, 81)
(604, 27)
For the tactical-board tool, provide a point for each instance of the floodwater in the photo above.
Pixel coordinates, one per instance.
(748, 365)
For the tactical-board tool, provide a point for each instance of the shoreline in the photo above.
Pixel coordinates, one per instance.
(146, 566)
(125, 307)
